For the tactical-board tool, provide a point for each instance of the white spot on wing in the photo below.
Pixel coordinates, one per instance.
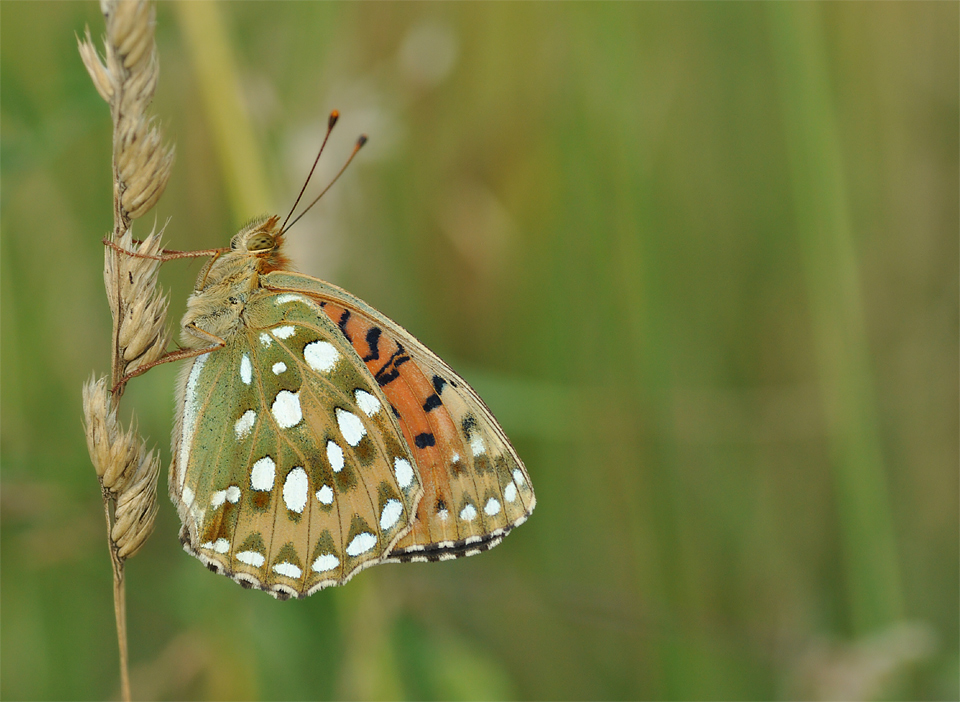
(321, 356)
(391, 513)
(510, 492)
(335, 456)
(187, 496)
(325, 495)
(219, 546)
(295, 490)
(468, 513)
(190, 406)
(251, 558)
(284, 332)
(265, 339)
(350, 426)
(476, 445)
(245, 424)
(492, 507)
(287, 569)
(518, 477)
(279, 367)
(455, 458)
(233, 494)
(218, 498)
(291, 297)
(286, 409)
(325, 562)
(361, 543)
(443, 514)
(262, 474)
(404, 472)
(367, 402)
(246, 369)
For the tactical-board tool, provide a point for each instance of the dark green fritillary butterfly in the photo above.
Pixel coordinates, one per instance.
(315, 437)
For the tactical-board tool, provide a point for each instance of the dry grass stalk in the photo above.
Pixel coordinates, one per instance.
(126, 77)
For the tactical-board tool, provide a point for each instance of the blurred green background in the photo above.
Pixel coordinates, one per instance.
(700, 259)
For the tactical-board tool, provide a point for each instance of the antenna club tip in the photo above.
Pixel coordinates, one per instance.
(334, 116)
(362, 140)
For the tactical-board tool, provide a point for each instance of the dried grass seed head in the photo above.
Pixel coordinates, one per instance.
(136, 508)
(142, 336)
(115, 454)
(127, 78)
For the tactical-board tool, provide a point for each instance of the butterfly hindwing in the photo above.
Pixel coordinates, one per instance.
(296, 478)
(475, 488)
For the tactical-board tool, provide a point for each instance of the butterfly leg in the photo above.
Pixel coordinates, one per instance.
(178, 355)
(166, 254)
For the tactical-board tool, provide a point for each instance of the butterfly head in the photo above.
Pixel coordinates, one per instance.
(263, 240)
(255, 250)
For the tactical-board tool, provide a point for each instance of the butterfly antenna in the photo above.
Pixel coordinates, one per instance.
(360, 142)
(332, 120)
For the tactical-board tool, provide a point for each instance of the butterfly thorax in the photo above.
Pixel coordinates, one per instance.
(227, 282)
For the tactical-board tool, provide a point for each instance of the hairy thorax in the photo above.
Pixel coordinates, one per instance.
(228, 280)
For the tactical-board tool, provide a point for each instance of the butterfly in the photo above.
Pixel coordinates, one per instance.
(315, 437)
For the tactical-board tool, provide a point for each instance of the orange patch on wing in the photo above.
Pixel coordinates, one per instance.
(408, 392)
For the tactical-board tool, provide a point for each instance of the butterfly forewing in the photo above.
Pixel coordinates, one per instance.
(475, 488)
(297, 477)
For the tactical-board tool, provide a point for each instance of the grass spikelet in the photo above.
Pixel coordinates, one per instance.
(137, 506)
(140, 307)
(100, 424)
(126, 77)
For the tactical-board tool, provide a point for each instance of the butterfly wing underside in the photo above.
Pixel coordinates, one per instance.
(475, 488)
(297, 478)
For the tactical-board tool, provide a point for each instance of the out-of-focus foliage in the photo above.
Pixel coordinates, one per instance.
(700, 259)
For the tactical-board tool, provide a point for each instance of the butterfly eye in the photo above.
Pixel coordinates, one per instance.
(261, 242)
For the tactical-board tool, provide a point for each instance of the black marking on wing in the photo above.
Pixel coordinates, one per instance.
(438, 383)
(469, 424)
(396, 412)
(373, 341)
(424, 440)
(387, 378)
(458, 549)
(344, 318)
(389, 371)
(432, 402)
